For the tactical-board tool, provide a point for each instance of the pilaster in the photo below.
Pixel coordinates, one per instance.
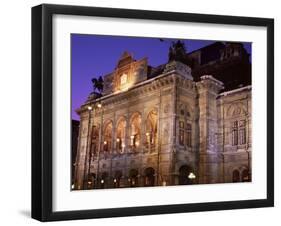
(209, 156)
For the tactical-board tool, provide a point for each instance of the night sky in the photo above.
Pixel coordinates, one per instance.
(95, 55)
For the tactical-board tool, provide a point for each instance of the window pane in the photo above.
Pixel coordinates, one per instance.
(181, 138)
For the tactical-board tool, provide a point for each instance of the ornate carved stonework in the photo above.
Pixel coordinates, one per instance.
(179, 68)
(167, 108)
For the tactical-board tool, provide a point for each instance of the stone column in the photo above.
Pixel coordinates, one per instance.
(81, 159)
(112, 151)
(209, 158)
(172, 180)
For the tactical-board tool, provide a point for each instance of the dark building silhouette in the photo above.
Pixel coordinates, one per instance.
(227, 62)
(74, 136)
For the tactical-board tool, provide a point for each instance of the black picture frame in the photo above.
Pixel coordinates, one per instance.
(42, 111)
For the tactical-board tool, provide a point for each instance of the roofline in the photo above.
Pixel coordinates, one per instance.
(236, 90)
(131, 88)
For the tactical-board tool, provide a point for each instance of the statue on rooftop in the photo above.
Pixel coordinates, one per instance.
(97, 85)
(177, 52)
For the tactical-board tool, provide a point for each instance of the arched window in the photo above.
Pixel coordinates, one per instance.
(235, 133)
(123, 79)
(188, 135)
(135, 130)
(184, 175)
(151, 128)
(242, 132)
(107, 142)
(181, 132)
(95, 140)
(235, 176)
(121, 134)
(239, 132)
(149, 175)
(237, 113)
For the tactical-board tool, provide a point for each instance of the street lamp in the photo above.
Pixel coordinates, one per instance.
(191, 176)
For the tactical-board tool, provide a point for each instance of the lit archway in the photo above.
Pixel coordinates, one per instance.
(235, 176)
(184, 175)
(133, 178)
(135, 129)
(121, 135)
(107, 141)
(91, 180)
(245, 176)
(149, 176)
(151, 128)
(117, 179)
(104, 180)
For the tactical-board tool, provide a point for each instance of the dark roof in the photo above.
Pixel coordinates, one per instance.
(155, 71)
(213, 46)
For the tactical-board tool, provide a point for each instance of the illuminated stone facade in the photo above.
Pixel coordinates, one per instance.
(163, 130)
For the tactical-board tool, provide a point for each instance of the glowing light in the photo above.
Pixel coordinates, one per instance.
(105, 142)
(90, 108)
(123, 145)
(123, 79)
(118, 140)
(114, 180)
(191, 176)
(137, 143)
(99, 105)
(102, 181)
(147, 134)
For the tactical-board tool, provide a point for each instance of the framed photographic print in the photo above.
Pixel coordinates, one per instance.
(147, 112)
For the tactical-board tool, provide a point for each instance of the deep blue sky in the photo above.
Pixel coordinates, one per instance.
(95, 55)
